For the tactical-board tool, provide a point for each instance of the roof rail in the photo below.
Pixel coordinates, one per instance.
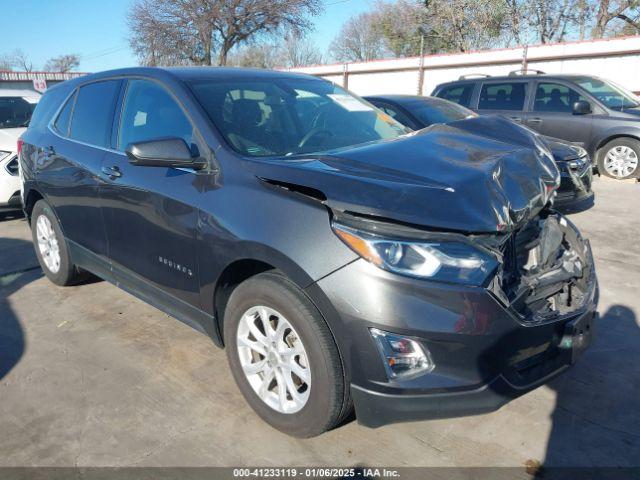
(471, 75)
(525, 71)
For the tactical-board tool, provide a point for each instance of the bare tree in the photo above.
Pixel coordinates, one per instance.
(402, 25)
(609, 10)
(463, 25)
(298, 51)
(193, 31)
(6, 63)
(62, 63)
(21, 61)
(359, 40)
(262, 55)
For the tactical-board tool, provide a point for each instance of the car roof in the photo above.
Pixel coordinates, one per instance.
(545, 76)
(193, 73)
(404, 99)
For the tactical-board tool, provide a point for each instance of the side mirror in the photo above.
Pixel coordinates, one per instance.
(581, 107)
(164, 152)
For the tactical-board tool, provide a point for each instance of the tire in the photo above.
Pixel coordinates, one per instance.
(66, 272)
(623, 149)
(326, 392)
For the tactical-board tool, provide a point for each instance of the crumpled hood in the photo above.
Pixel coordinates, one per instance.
(9, 138)
(453, 177)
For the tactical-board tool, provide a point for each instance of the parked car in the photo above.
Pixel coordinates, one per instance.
(417, 112)
(601, 116)
(341, 261)
(16, 107)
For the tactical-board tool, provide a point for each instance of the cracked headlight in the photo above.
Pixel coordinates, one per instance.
(445, 261)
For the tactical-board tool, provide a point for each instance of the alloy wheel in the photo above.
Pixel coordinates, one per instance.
(621, 161)
(273, 359)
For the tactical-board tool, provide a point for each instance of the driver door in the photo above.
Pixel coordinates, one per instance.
(151, 213)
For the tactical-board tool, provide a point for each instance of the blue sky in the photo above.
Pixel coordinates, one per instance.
(97, 29)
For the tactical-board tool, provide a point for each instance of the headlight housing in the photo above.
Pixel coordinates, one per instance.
(441, 260)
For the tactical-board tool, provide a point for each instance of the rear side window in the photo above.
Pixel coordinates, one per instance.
(62, 122)
(93, 113)
(150, 113)
(502, 96)
(555, 97)
(460, 94)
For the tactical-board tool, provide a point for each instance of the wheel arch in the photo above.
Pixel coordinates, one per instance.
(31, 197)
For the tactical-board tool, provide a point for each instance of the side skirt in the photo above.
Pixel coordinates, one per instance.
(140, 288)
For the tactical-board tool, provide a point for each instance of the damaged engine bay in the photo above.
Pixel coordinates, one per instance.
(547, 269)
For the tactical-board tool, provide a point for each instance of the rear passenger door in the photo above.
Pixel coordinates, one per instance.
(151, 213)
(552, 113)
(508, 98)
(69, 164)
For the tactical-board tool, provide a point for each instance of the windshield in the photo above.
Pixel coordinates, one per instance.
(290, 116)
(15, 112)
(438, 111)
(610, 94)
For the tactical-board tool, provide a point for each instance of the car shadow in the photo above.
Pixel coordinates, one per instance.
(12, 337)
(596, 420)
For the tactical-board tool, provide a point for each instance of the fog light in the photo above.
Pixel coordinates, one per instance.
(402, 357)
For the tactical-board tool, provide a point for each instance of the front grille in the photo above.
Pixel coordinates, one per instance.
(12, 166)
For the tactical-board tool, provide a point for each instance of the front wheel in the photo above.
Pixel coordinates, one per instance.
(619, 158)
(283, 356)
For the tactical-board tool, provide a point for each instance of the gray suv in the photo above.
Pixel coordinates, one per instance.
(599, 115)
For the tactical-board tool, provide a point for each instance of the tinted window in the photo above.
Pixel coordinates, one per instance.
(502, 96)
(62, 122)
(394, 113)
(93, 113)
(150, 113)
(15, 112)
(460, 94)
(48, 106)
(612, 95)
(554, 97)
(289, 115)
(437, 111)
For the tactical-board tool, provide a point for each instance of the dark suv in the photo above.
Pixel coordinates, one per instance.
(339, 259)
(599, 115)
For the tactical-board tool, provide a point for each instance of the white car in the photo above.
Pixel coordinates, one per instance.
(16, 107)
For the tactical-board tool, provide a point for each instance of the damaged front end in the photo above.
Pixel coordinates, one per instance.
(546, 270)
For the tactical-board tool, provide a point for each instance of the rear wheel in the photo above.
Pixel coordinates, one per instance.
(51, 247)
(619, 158)
(283, 356)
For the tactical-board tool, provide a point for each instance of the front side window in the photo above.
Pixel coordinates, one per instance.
(555, 97)
(502, 96)
(93, 113)
(460, 94)
(611, 95)
(15, 112)
(290, 116)
(150, 113)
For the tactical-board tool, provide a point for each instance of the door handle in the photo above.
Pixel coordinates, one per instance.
(516, 119)
(535, 121)
(112, 172)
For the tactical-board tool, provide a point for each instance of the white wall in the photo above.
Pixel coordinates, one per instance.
(616, 59)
